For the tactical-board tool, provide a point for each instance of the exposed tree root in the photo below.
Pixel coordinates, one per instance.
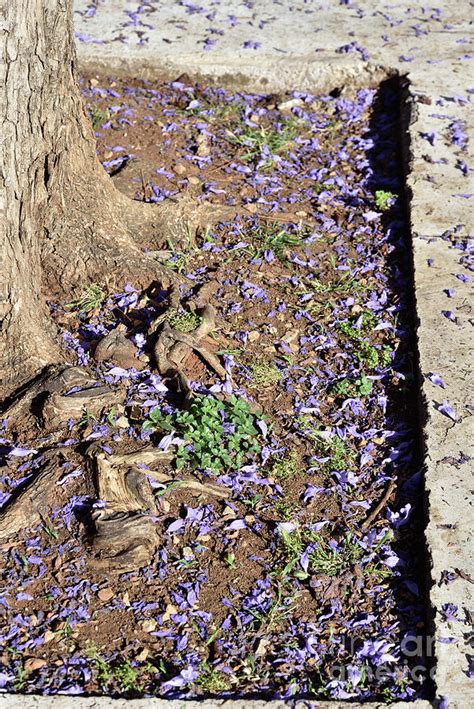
(125, 536)
(33, 502)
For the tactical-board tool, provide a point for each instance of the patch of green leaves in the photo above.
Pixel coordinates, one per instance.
(98, 116)
(264, 374)
(384, 200)
(91, 298)
(272, 237)
(219, 435)
(184, 321)
(222, 434)
(323, 557)
(362, 386)
(287, 468)
(211, 680)
(368, 355)
(256, 139)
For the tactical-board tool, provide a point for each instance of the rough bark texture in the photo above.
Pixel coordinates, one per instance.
(63, 222)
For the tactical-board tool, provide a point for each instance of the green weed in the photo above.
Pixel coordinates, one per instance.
(127, 678)
(255, 140)
(49, 529)
(362, 386)
(289, 467)
(286, 509)
(367, 354)
(218, 434)
(341, 456)
(91, 298)
(384, 200)
(272, 237)
(322, 558)
(264, 374)
(98, 116)
(184, 320)
(211, 680)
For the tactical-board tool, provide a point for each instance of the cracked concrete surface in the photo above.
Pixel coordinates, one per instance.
(308, 45)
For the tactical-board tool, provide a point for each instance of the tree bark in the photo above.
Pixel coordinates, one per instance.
(63, 221)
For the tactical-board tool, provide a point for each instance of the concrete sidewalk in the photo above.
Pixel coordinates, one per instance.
(311, 45)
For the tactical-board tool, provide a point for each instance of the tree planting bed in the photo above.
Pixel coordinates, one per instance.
(223, 496)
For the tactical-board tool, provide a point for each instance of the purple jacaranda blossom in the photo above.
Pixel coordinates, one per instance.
(447, 577)
(171, 439)
(450, 292)
(20, 452)
(378, 652)
(446, 409)
(400, 518)
(436, 380)
(175, 526)
(251, 44)
(185, 677)
(237, 524)
(449, 612)
(430, 136)
(449, 315)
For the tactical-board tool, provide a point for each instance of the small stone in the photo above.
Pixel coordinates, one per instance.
(254, 335)
(48, 636)
(148, 626)
(169, 611)
(252, 208)
(142, 656)
(34, 663)
(122, 422)
(193, 180)
(126, 599)
(292, 103)
(105, 594)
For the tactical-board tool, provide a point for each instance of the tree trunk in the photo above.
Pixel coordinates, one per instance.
(63, 222)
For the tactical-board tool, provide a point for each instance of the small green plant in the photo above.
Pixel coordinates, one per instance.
(230, 560)
(49, 529)
(287, 510)
(219, 434)
(124, 675)
(102, 667)
(341, 457)
(367, 354)
(271, 237)
(91, 298)
(211, 680)
(21, 674)
(127, 678)
(288, 467)
(184, 320)
(256, 140)
(264, 374)
(86, 420)
(362, 386)
(65, 632)
(98, 116)
(253, 501)
(323, 557)
(384, 200)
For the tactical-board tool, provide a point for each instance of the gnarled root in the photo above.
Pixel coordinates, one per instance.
(33, 502)
(125, 536)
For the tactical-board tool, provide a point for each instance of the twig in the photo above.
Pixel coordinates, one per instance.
(375, 512)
